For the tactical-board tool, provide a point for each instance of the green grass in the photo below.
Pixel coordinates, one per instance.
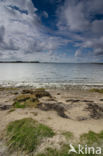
(19, 105)
(27, 104)
(68, 135)
(26, 134)
(91, 137)
(96, 90)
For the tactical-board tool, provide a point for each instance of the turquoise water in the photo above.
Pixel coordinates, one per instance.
(51, 73)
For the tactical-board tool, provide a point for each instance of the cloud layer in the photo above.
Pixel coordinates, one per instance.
(78, 33)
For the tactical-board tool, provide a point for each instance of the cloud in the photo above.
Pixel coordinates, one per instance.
(72, 16)
(45, 14)
(17, 28)
(79, 21)
(23, 35)
(3, 45)
(94, 6)
(2, 32)
(22, 32)
(22, 5)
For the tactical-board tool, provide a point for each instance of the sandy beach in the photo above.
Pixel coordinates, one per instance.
(51, 77)
(74, 110)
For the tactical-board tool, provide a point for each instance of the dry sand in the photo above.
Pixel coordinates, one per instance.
(84, 110)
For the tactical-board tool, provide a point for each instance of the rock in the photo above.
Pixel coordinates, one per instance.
(58, 107)
(72, 100)
(95, 110)
(24, 97)
(58, 93)
(40, 92)
(5, 107)
(15, 93)
(81, 118)
(87, 101)
(26, 91)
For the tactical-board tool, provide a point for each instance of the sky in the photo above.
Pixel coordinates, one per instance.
(51, 30)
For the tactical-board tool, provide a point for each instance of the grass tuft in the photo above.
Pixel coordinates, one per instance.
(92, 137)
(26, 134)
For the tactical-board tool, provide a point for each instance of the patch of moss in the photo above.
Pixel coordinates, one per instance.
(92, 137)
(25, 100)
(30, 98)
(26, 135)
(19, 105)
(96, 90)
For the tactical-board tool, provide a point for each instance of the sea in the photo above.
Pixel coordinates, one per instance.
(51, 74)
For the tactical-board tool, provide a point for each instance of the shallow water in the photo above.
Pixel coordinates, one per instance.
(51, 73)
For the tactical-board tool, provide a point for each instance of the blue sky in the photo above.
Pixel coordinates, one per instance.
(51, 30)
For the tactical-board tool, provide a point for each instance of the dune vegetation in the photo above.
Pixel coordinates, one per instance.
(26, 134)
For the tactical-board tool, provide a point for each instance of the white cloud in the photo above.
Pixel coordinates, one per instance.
(78, 20)
(23, 35)
(21, 31)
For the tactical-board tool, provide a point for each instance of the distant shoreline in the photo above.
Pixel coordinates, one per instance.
(52, 62)
(19, 62)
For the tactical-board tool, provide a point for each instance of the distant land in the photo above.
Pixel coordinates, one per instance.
(52, 62)
(19, 62)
